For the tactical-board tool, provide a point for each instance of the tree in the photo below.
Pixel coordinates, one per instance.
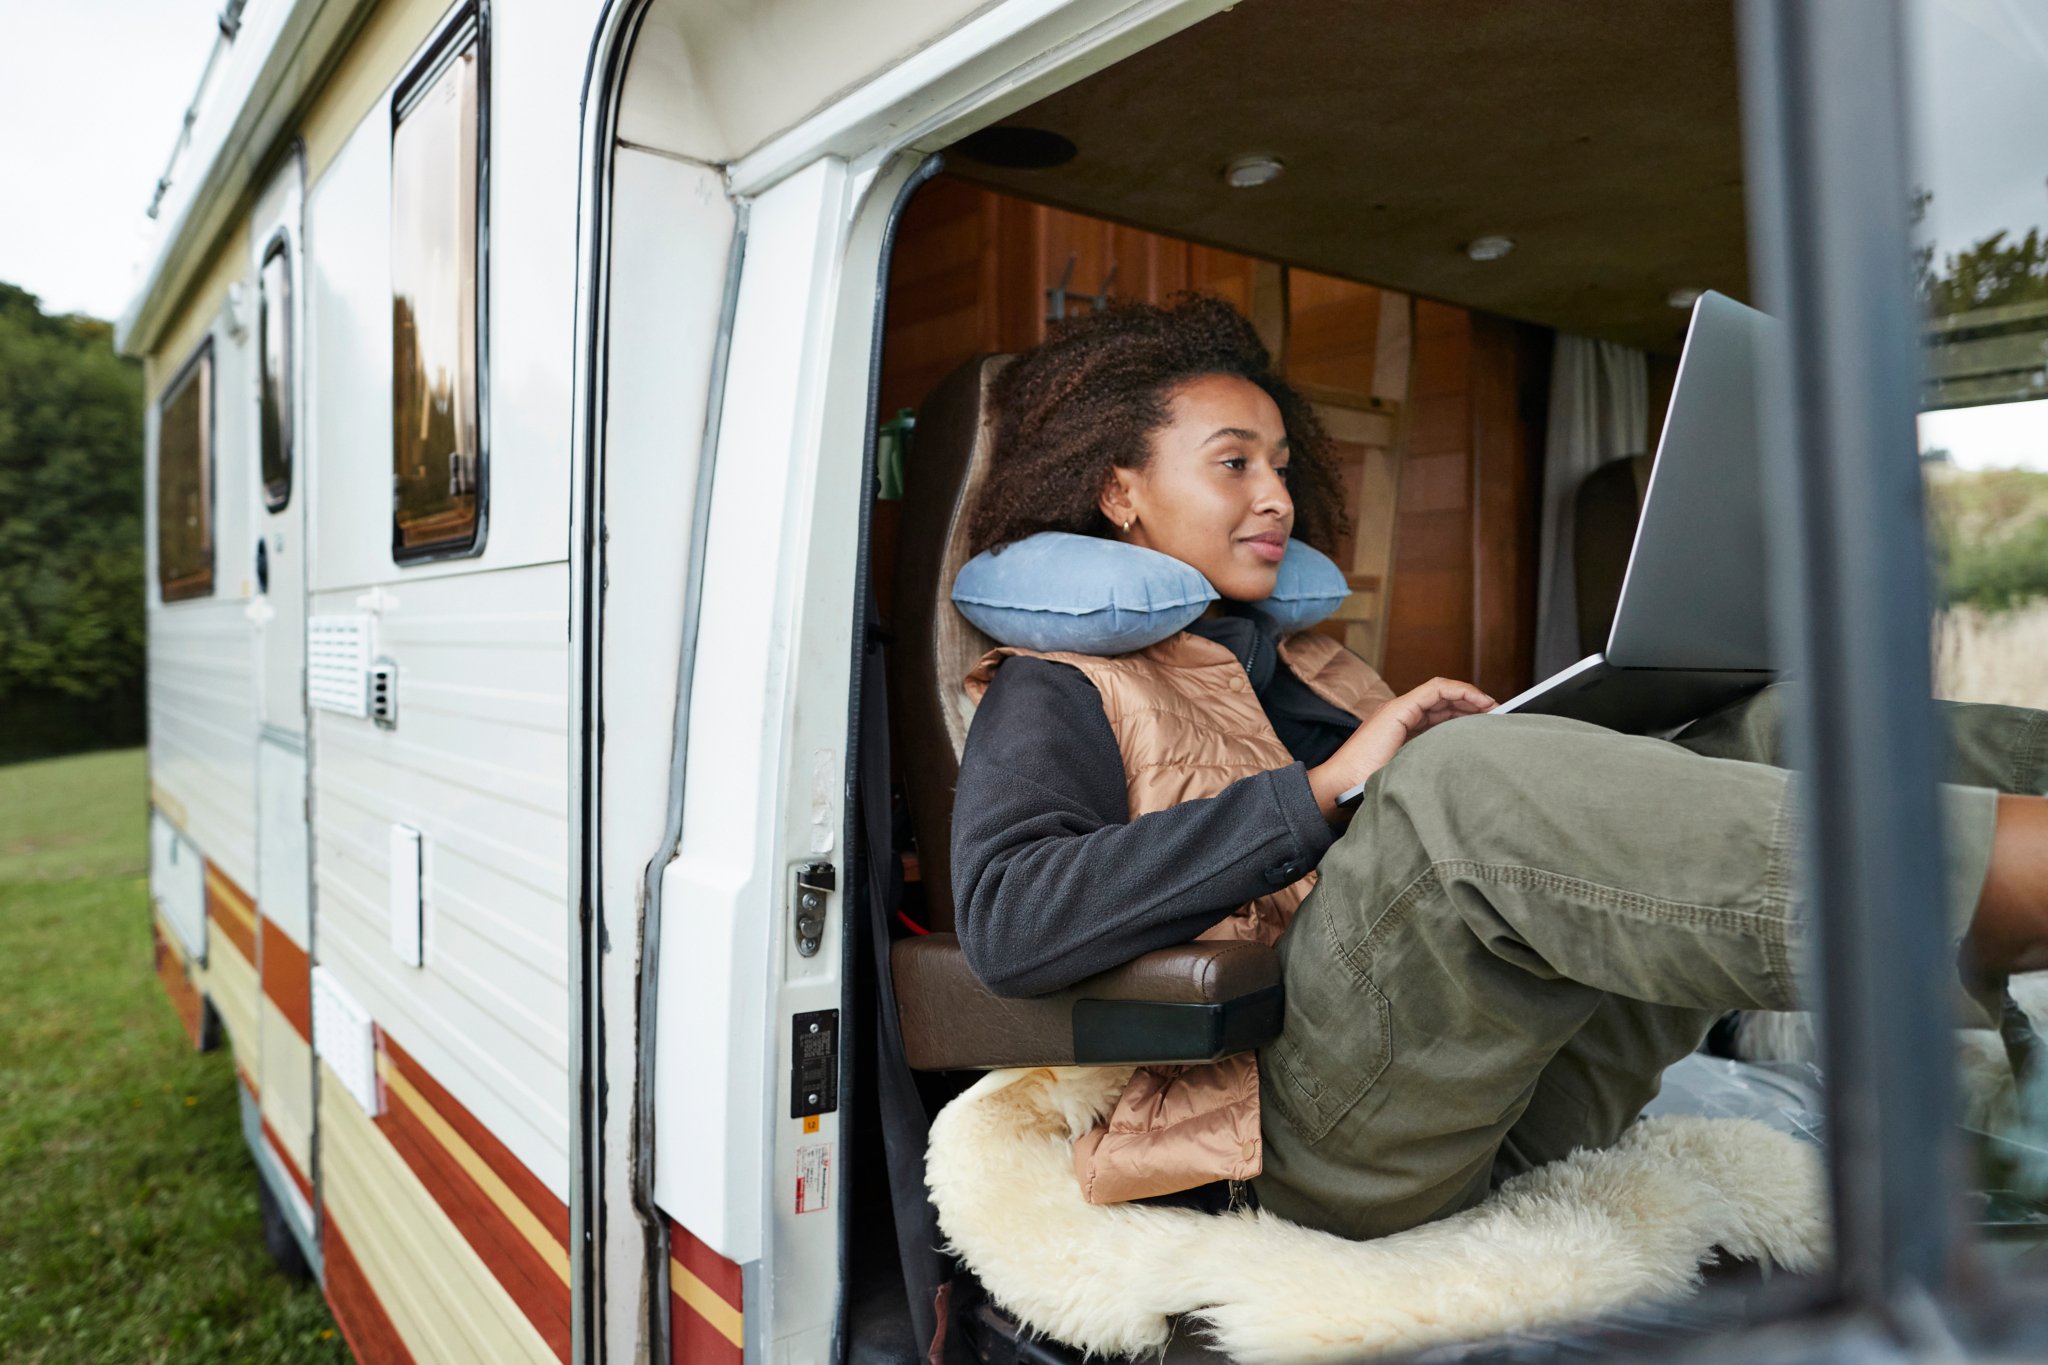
(1990, 274)
(71, 570)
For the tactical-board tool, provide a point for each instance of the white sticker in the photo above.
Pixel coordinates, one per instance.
(813, 1178)
(827, 777)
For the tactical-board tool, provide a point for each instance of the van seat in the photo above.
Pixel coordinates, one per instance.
(1191, 1003)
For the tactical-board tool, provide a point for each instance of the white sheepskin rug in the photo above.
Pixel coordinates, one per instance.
(1578, 1237)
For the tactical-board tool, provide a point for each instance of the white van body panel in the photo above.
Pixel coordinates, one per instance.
(202, 668)
(478, 763)
(478, 766)
(277, 613)
(719, 924)
(1005, 57)
(672, 240)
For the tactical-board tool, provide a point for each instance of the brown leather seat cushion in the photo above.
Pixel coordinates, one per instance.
(1202, 1000)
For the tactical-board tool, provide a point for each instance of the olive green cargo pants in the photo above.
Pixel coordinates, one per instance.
(1527, 921)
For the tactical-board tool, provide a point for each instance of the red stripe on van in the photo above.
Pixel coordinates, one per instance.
(535, 1285)
(504, 1250)
(287, 979)
(185, 998)
(232, 909)
(545, 1204)
(693, 1338)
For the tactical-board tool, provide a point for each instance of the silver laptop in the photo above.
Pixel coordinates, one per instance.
(1692, 630)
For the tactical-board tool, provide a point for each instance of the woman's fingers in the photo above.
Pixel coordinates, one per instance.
(1441, 699)
(1400, 720)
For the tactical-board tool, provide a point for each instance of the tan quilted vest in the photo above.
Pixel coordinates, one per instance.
(1188, 725)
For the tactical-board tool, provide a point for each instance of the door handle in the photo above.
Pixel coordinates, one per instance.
(262, 564)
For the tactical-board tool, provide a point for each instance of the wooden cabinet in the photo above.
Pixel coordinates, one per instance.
(1424, 401)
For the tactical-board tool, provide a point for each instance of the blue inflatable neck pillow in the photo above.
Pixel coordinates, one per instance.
(1084, 594)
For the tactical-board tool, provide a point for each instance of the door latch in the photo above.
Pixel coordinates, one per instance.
(814, 882)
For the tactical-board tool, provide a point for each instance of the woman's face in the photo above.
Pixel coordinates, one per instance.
(1214, 493)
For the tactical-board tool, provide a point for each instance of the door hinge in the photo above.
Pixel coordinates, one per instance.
(814, 883)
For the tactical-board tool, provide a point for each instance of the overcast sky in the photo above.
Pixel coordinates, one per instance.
(1981, 67)
(91, 92)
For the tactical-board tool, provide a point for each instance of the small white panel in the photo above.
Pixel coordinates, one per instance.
(342, 1038)
(338, 662)
(281, 856)
(405, 894)
(177, 881)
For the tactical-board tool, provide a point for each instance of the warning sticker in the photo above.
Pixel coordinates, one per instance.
(813, 1178)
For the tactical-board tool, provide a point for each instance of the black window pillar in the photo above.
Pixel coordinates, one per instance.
(1829, 190)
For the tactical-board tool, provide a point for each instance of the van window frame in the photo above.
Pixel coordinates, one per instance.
(1826, 156)
(277, 494)
(197, 368)
(467, 26)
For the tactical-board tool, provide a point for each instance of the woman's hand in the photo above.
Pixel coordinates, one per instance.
(1373, 745)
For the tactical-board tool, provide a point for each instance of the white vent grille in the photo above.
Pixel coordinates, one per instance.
(342, 1038)
(338, 663)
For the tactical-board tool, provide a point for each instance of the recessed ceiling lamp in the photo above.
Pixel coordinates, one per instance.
(1248, 171)
(1489, 248)
(1683, 298)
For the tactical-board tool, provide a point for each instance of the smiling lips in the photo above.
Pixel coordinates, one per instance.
(1271, 546)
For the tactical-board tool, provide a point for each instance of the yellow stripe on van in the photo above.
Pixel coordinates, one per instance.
(704, 1301)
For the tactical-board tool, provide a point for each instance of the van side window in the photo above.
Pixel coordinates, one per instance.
(184, 483)
(436, 314)
(274, 352)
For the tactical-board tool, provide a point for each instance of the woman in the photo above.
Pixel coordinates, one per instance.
(1522, 924)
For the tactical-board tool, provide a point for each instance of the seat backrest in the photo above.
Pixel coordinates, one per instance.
(934, 646)
(1604, 517)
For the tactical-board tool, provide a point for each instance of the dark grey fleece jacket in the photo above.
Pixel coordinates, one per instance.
(1053, 881)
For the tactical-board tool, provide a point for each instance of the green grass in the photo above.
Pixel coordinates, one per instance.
(129, 1228)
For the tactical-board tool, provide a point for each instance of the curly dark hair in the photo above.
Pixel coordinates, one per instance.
(1089, 397)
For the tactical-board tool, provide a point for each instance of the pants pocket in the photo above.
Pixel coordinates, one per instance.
(1336, 1039)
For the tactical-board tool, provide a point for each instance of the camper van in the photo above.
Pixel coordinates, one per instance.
(560, 418)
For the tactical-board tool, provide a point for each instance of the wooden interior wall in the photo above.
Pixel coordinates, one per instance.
(1465, 544)
(972, 269)
(1510, 395)
(971, 273)
(1430, 624)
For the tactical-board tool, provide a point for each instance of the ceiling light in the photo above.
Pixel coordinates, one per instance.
(1683, 298)
(1489, 248)
(1248, 171)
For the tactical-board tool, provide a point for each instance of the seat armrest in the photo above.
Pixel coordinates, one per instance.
(1192, 1003)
